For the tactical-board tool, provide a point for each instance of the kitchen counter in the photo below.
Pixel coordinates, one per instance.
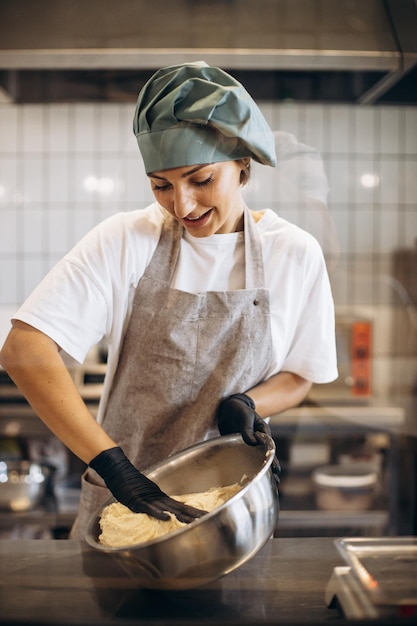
(65, 582)
(339, 419)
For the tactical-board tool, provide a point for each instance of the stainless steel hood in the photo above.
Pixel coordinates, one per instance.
(370, 42)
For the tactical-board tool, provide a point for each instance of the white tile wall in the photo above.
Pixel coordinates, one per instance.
(409, 131)
(65, 167)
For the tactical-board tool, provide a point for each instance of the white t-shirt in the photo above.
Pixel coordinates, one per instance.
(88, 295)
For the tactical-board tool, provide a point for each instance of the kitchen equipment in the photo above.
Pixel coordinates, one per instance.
(219, 542)
(345, 487)
(354, 362)
(354, 356)
(379, 579)
(22, 484)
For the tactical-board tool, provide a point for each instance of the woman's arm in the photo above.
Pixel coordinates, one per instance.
(278, 393)
(33, 361)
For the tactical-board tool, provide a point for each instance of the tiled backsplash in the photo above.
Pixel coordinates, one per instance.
(63, 168)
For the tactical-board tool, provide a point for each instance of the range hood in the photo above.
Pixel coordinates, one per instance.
(348, 50)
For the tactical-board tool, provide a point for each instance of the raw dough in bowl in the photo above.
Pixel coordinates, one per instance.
(121, 527)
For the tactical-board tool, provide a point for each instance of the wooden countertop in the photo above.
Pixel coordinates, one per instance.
(65, 582)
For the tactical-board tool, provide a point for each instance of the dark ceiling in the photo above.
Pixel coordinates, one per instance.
(35, 86)
(353, 51)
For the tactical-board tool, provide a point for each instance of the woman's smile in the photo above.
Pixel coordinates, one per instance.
(199, 221)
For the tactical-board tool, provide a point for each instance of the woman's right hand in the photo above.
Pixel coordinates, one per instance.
(136, 491)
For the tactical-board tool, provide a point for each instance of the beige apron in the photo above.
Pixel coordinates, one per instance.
(182, 353)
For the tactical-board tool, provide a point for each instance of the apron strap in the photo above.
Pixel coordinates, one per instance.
(165, 256)
(254, 265)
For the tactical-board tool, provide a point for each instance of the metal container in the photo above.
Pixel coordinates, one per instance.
(219, 542)
(22, 485)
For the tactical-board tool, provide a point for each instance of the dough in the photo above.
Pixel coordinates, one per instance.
(121, 527)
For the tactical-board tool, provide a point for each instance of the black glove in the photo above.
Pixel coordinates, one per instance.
(237, 414)
(136, 491)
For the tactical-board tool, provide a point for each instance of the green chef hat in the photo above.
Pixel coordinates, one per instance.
(192, 114)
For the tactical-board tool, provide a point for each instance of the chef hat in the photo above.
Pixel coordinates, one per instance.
(192, 114)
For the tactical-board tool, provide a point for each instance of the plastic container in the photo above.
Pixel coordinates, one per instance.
(346, 487)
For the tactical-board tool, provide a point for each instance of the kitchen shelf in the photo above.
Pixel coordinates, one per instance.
(339, 422)
(328, 420)
(333, 519)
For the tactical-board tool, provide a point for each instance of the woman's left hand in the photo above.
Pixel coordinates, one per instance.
(237, 414)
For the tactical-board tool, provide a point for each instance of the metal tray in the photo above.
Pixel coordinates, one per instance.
(385, 567)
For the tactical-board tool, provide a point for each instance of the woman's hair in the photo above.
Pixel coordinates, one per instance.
(245, 174)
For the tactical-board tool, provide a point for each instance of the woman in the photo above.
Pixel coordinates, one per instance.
(215, 316)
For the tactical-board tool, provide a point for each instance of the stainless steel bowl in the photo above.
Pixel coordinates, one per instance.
(219, 542)
(22, 485)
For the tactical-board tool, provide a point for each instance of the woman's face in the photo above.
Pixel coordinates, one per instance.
(205, 199)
